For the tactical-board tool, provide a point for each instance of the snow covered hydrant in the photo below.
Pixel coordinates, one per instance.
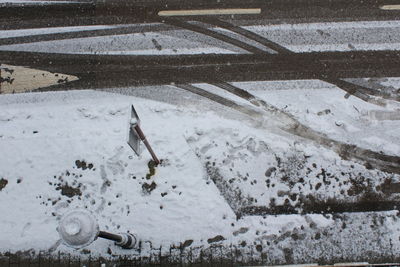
(79, 228)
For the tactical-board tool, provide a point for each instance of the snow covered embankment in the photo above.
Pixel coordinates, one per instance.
(63, 151)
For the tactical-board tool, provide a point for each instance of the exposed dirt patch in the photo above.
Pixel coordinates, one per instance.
(215, 239)
(324, 112)
(389, 187)
(298, 185)
(70, 191)
(269, 172)
(156, 44)
(83, 165)
(65, 80)
(11, 71)
(241, 231)
(152, 169)
(6, 80)
(68, 183)
(147, 188)
(187, 243)
(3, 183)
(359, 185)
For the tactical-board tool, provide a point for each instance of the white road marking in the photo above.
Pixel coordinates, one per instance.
(390, 7)
(203, 12)
(22, 79)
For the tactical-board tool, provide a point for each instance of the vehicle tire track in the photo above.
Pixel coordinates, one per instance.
(349, 88)
(221, 100)
(117, 30)
(369, 158)
(227, 39)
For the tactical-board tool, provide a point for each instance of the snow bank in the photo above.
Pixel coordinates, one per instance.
(67, 150)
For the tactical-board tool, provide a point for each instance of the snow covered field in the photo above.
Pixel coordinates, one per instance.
(67, 150)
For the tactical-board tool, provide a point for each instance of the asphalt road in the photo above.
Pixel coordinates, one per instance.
(15, 16)
(98, 71)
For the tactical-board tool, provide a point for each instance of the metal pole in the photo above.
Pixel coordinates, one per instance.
(143, 138)
(110, 236)
(124, 240)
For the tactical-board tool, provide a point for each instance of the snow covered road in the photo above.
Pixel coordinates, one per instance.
(328, 36)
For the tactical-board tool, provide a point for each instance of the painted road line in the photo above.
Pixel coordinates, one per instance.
(390, 7)
(204, 12)
(17, 79)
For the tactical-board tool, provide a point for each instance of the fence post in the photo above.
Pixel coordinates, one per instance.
(211, 256)
(220, 255)
(190, 258)
(160, 255)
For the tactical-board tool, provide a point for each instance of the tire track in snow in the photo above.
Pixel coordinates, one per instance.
(350, 88)
(370, 159)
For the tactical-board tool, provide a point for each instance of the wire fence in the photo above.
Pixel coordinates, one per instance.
(181, 256)
(216, 255)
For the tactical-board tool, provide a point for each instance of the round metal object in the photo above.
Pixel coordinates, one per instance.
(78, 228)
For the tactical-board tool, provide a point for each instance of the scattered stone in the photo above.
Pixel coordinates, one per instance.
(351, 46)
(3, 183)
(85, 251)
(295, 236)
(318, 186)
(156, 44)
(69, 191)
(269, 172)
(187, 243)
(215, 239)
(147, 188)
(317, 236)
(324, 112)
(81, 164)
(241, 231)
